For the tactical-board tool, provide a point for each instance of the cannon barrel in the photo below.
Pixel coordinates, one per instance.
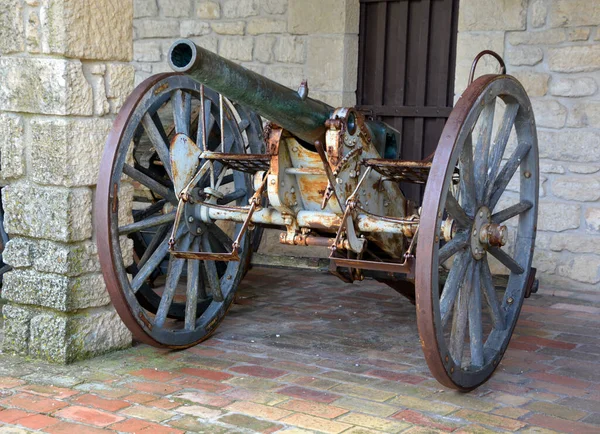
(281, 105)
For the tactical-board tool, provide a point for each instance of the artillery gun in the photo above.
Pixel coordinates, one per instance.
(190, 176)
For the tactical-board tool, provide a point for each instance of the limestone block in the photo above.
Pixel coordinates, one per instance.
(291, 49)
(175, 8)
(263, 48)
(539, 13)
(12, 147)
(576, 58)
(146, 51)
(99, 30)
(308, 17)
(551, 168)
(570, 145)
(524, 56)
(579, 34)
(274, 7)
(11, 27)
(572, 13)
(96, 79)
(228, 27)
(535, 83)
(492, 15)
(584, 189)
(119, 84)
(33, 33)
(592, 220)
(144, 8)
(545, 261)
(237, 48)
(259, 26)
(573, 87)
(67, 259)
(194, 28)
(582, 268)
(290, 76)
(30, 287)
(469, 45)
(45, 86)
(584, 169)
(575, 243)
(549, 113)
(332, 62)
(208, 10)
(64, 339)
(56, 141)
(146, 29)
(542, 37)
(241, 8)
(585, 114)
(57, 214)
(558, 216)
(18, 253)
(16, 329)
(209, 42)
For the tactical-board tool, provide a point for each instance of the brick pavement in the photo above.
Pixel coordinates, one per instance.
(299, 354)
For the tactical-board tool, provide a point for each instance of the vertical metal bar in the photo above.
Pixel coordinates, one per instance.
(202, 116)
(222, 123)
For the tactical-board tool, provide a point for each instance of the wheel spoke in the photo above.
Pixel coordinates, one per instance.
(452, 285)
(150, 222)
(208, 124)
(508, 171)
(230, 197)
(182, 111)
(213, 281)
(482, 149)
(160, 145)
(475, 322)
(459, 321)
(154, 261)
(459, 242)
(511, 211)
(491, 299)
(457, 212)
(218, 234)
(157, 238)
(173, 275)
(506, 260)
(467, 178)
(139, 215)
(500, 142)
(193, 280)
(150, 183)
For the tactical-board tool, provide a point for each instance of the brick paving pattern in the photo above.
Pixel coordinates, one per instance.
(307, 353)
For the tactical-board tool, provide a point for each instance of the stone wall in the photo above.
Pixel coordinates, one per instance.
(64, 73)
(553, 48)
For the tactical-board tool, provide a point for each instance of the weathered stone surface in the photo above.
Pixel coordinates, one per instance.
(263, 48)
(119, 84)
(551, 168)
(52, 213)
(11, 26)
(584, 189)
(535, 83)
(208, 10)
(324, 74)
(18, 253)
(259, 26)
(469, 45)
(58, 292)
(228, 27)
(492, 15)
(56, 141)
(145, 29)
(146, 51)
(16, 329)
(558, 216)
(584, 169)
(542, 37)
(241, 8)
(175, 8)
(274, 7)
(12, 147)
(576, 58)
(579, 34)
(539, 12)
(585, 114)
(584, 269)
(592, 220)
(95, 76)
(194, 28)
(525, 56)
(570, 145)
(33, 34)
(209, 42)
(46, 86)
(549, 113)
(572, 13)
(288, 75)
(574, 87)
(237, 48)
(144, 8)
(333, 17)
(77, 29)
(64, 339)
(545, 261)
(574, 243)
(290, 49)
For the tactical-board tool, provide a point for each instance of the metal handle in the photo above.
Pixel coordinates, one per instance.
(479, 56)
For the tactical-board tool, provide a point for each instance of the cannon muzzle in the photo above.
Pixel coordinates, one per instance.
(305, 118)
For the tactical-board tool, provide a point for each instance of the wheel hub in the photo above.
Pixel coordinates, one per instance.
(486, 234)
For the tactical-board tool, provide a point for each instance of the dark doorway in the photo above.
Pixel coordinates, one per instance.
(407, 59)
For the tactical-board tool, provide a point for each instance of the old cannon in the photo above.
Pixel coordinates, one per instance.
(189, 178)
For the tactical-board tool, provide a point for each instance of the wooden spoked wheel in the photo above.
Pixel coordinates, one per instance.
(167, 301)
(465, 321)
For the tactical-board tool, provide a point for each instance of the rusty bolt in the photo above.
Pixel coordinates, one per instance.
(273, 181)
(510, 300)
(190, 219)
(527, 174)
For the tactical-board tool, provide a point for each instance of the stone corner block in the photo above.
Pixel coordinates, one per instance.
(12, 36)
(12, 147)
(332, 63)
(16, 329)
(57, 214)
(308, 17)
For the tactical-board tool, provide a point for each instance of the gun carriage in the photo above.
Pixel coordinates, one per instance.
(190, 177)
